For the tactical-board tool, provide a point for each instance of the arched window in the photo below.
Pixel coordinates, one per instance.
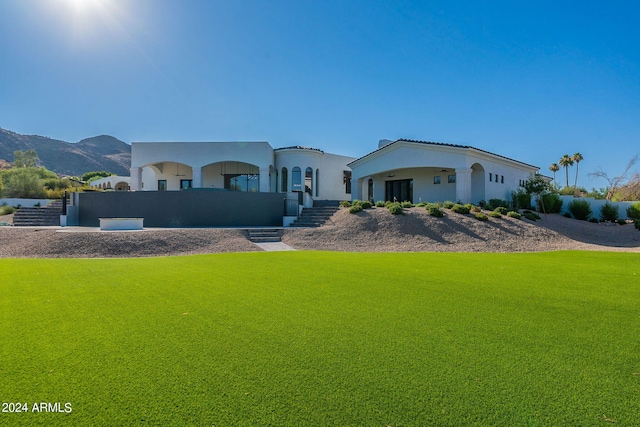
(285, 183)
(317, 181)
(296, 179)
(370, 190)
(308, 178)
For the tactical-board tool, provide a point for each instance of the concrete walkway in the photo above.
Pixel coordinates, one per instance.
(274, 246)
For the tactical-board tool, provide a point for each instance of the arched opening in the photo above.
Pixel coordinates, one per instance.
(370, 190)
(477, 183)
(296, 179)
(285, 179)
(122, 186)
(308, 181)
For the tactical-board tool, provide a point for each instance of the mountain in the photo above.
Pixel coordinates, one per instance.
(92, 154)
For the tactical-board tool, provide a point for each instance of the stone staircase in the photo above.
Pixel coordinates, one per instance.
(264, 235)
(44, 216)
(316, 216)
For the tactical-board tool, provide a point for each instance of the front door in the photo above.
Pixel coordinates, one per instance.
(400, 190)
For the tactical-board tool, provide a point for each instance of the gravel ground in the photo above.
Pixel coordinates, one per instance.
(374, 230)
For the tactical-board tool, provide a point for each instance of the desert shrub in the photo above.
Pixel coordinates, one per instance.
(406, 204)
(498, 203)
(594, 220)
(496, 214)
(366, 204)
(457, 208)
(448, 204)
(7, 210)
(609, 212)
(481, 217)
(622, 222)
(421, 204)
(531, 216)
(633, 211)
(476, 208)
(636, 224)
(567, 215)
(435, 211)
(380, 204)
(501, 210)
(520, 199)
(469, 206)
(514, 214)
(345, 203)
(580, 209)
(355, 209)
(552, 203)
(395, 208)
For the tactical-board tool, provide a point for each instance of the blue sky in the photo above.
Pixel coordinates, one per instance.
(528, 80)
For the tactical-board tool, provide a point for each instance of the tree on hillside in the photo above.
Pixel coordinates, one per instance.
(554, 168)
(617, 181)
(26, 159)
(23, 183)
(538, 186)
(565, 162)
(577, 158)
(89, 176)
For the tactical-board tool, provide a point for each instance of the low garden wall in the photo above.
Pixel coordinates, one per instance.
(27, 203)
(596, 204)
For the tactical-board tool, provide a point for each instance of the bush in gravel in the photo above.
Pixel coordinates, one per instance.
(636, 223)
(531, 216)
(355, 209)
(609, 212)
(460, 209)
(594, 220)
(366, 204)
(476, 209)
(481, 217)
(448, 204)
(514, 214)
(567, 215)
(501, 210)
(469, 206)
(406, 204)
(6, 210)
(552, 203)
(345, 204)
(380, 204)
(435, 211)
(498, 203)
(622, 222)
(395, 208)
(580, 209)
(496, 214)
(633, 211)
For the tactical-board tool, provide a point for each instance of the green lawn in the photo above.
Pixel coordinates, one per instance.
(319, 339)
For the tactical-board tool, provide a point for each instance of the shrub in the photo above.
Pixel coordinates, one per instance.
(580, 209)
(395, 209)
(355, 209)
(622, 222)
(514, 214)
(609, 212)
(406, 204)
(345, 203)
(380, 204)
(567, 215)
(498, 203)
(636, 224)
(435, 211)
(496, 214)
(7, 210)
(552, 203)
(520, 199)
(365, 204)
(481, 217)
(594, 220)
(448, 204)
(633, 211)
(501, 210)
(457, 208)
(531, 216)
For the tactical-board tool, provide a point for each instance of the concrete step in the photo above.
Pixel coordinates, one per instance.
(264, 235)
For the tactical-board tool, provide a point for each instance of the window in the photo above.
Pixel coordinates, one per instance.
(285, 184)
(502, 179)
(346, 180)
(308, 178)
(317, 181)
(185, 183)
(490, 177)
(436, 179)
(162, 185)
(370, 190)
(296, 179)
(451, 179)
(247, 182)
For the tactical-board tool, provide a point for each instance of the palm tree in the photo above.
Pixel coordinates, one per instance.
(565, 162)
(554, 168)
(577, 158)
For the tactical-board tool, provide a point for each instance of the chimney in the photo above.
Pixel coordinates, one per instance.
(384, 142)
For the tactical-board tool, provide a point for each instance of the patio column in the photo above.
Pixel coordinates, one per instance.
(196, 177)
(463, 185)
(136, 179)
(264, 180)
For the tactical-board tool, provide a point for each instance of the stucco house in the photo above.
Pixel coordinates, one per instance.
(113, 182)
(410, 170)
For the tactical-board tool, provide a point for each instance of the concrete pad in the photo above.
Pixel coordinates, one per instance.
(274, 246)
